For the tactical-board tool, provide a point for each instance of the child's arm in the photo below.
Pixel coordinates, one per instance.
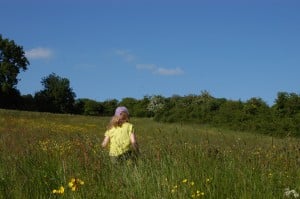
(134, 143)
(105, 141)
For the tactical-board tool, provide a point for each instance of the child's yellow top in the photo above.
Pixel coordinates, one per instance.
(119, 139)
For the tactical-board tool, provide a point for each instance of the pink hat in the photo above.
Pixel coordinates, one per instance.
(121, 109)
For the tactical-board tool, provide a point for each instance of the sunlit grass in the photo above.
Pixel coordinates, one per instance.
(59, 156)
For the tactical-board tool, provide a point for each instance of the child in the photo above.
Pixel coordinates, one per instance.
(120, 137)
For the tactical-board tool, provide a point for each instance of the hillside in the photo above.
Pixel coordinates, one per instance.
(40, 153)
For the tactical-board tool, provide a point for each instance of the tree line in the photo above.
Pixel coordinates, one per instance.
(255, 115)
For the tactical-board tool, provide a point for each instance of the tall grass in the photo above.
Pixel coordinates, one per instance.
(41, 152)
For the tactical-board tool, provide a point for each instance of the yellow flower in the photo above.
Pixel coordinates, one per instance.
(80, 182)
(74, 183)
(184, 181)
(192, 183)
(61, 190)
(71, 184)
(199, 193)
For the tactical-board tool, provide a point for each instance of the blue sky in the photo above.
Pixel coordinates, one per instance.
(112, 49)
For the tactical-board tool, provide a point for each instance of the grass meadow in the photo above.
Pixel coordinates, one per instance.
(59, 156)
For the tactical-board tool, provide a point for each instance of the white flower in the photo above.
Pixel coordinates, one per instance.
(288, 192)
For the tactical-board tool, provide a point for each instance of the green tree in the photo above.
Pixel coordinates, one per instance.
(258, 116)
(12, 60)
(130, 103)
(91, 107)
(57, 95)
(287, 110)
(287, 104)
(255, 106)
(231, 115)
(28, 103)
(109, 107)
(141, 107)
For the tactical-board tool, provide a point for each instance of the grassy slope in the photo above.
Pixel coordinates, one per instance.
(40, 152)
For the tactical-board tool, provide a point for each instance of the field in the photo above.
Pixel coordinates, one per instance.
(59, 156)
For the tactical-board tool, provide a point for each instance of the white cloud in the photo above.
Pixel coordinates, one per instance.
(39, 53)
(160, 71)
(165, 71)
(125, 54)
(128, 56)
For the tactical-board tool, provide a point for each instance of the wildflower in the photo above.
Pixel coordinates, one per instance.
(61, 190)
(192, 183)
(73, 188)
(71, 183)
(288, 192)
(174, 189)
(184, 181)
(74, 183)
(199, 193)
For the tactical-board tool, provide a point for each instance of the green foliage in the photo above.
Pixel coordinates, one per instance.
(10, 99)
(109, 107)
(230, 114)
(253, 115)
(12, 60)
(89, 107)
(287, 104)
(28, 103)
(57, 96)
(129, 103)
(140, 108)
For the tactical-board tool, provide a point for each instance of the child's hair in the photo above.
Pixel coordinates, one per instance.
(118, 120)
